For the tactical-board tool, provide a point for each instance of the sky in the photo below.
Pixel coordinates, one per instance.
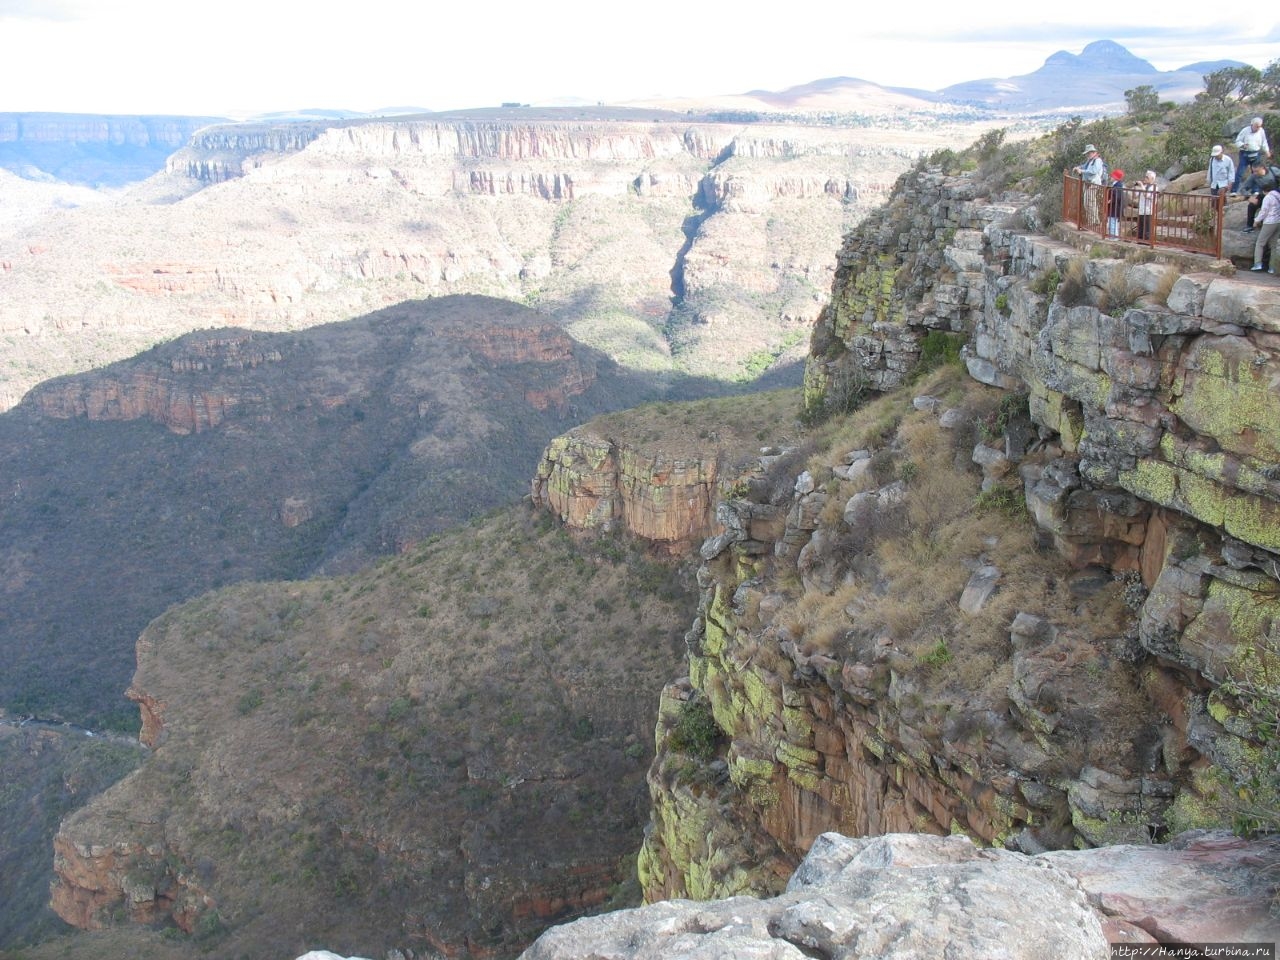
(234, 58)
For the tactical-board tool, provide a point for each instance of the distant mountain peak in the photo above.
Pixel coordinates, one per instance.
(1101, 55)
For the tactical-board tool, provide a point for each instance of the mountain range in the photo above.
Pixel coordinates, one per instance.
(110, 151)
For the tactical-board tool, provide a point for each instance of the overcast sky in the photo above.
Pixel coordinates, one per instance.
(238, 57)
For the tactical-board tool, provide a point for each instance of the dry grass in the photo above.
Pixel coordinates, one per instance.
(906, 570)
(500, 675)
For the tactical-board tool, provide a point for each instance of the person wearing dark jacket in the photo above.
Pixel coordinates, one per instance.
(1115, 203)
(1261, 182)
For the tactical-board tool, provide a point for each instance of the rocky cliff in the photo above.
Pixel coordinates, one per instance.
(657, 473)
(91, 149)
(704, 247)
(1036, 605)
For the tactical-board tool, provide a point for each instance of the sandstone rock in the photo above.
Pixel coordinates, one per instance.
(890, 897)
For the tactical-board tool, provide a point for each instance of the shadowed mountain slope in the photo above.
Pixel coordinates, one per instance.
(229, 455)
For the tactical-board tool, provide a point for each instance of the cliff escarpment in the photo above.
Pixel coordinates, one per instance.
(671, 246)
(231, 454)
(657, 473)
(92, 149)
(1031, 597)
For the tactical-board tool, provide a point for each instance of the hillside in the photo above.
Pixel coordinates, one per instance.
(447, 749)
(230, 455)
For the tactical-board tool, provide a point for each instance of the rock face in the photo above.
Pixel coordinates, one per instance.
(96, 150)
(595, 483)
(908, 896)
(643, 237)
(1131, 408)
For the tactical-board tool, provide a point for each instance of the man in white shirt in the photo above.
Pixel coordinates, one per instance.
(1251, 141)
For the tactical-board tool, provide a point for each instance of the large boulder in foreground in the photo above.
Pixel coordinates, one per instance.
(908, 895)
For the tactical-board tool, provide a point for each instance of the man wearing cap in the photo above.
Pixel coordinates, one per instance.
(1222, 170)
(1094, 168)
(1251, 141)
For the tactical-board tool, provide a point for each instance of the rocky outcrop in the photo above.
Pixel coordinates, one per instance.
(1129, 406)
(177, 398)
(127, 869)
(907, 896)
(592, 482)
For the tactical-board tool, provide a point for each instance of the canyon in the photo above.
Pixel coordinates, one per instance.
(1002, 570)
(673, 245)
(1026, 595)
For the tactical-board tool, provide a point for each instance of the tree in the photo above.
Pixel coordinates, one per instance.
(1195, 128)
(1231, 85)
(1143, 102)
(1269, 89)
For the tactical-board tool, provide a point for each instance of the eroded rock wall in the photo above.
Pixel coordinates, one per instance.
(1138, 424)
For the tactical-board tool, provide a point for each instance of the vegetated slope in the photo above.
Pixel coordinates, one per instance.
(444, 751)
(229, 455)
(48, 773)
(461, 732)
(592, 221)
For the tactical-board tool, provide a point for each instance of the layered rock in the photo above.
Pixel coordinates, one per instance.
(647, 238)
(1129, 406)
(593, 482)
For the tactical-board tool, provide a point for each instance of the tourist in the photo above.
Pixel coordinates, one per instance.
(1251, 141)
(1222, 171)
(1115, 203)
(1146, 188)
(1094, 168)
(1268, 227)
(1262, 181)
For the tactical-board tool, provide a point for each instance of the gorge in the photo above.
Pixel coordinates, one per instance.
(999, 576)
(1028, 596)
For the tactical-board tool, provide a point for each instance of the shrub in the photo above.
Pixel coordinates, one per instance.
(695, 732)
(938, 348)
(1253, 682)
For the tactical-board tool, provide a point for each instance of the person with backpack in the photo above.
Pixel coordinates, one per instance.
(1262, 181)
(1251, 141)
(1094, 168)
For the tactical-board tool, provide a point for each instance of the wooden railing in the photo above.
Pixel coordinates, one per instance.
(1187, 221)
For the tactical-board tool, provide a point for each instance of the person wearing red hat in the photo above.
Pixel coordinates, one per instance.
(1115, 203)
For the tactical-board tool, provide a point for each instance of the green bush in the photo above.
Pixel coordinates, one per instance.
(939, 348)
(695, 733)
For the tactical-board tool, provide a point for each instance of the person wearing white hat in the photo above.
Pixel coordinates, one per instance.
(1251, 141)
(1222, 170)
(1094, 168)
